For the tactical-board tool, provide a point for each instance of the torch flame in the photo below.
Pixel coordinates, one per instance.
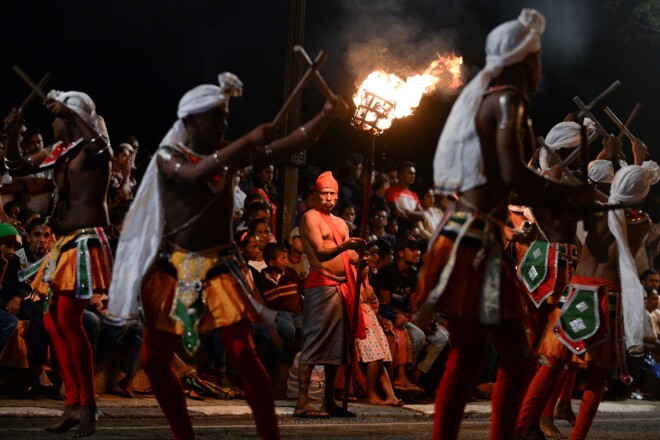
(444, 71)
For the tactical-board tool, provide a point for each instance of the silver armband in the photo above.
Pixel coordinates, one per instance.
(511, 111)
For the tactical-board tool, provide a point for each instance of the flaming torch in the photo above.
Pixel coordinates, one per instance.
(381, 98)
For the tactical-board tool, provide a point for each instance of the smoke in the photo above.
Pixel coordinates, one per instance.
(404, 36)
(389, 35)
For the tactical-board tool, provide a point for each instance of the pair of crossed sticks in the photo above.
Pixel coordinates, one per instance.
(37, 89)
(311, 73)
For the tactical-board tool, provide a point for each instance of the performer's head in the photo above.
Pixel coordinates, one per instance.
(327, 191)
(563, 139)
(79, 102)
(602, 173)
(203, 112)
(515, 46)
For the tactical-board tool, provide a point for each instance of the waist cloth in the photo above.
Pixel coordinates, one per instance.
(467, 274)
(324, 320)
(187, 292)
(80, 262)
(587, 329)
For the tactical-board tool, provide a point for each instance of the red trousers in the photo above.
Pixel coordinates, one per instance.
(542, 387)
(463, 368)
(63, 323)
(157, 356)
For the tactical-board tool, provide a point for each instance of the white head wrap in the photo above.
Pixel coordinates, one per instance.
(79, 102)
(200, 99)
(458, 165)
(563, 135)
(601, 171)
(630, 185)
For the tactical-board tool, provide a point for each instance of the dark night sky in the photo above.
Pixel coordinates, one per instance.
(136, 59)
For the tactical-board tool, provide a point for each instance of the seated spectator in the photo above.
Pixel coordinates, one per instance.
(379, 187)
(40, 239)
(377, 227)
(347, 212)
(262, 181)
(280, 286)
(261, 229)
(298, 260)
(402, 201)
(374, 352)
(396, 284)
(14, 298)
(120, 191)
(8, 325)
(38, 187)
(432, 215)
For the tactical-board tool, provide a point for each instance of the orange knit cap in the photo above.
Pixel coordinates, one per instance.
(325, 180)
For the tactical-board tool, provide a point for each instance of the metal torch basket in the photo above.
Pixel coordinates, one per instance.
(371, 111)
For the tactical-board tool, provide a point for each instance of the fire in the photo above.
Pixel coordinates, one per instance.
(386, 91)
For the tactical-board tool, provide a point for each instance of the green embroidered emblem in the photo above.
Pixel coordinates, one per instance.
(189, 317)
(534, 267)
(579, 317)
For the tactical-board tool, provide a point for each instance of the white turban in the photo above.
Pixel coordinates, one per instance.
(459, 152)
(79, 102)
(200, 99)
(601, 171)
(630, 185)
(563, 135)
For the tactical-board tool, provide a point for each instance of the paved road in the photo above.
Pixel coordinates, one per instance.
(637, 426)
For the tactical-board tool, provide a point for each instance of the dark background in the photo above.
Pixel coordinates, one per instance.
(137, 58)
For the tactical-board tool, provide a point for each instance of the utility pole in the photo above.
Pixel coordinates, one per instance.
(287, 174)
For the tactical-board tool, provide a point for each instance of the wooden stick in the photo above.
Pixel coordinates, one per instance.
(318, 78)
(594, 102)
(619, 124)
(35, 88)
(364, 225)
(307, 77)
(630, 119)
(45, 80)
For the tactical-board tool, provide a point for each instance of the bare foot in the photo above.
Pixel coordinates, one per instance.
(308, 411)
(88, 416)
(126, 387)
(69, 418)
(564, 411)
(549, 428)
(375, 400)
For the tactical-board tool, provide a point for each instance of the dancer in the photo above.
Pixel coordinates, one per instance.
(180, 229)
(465, 273)
(79, 264)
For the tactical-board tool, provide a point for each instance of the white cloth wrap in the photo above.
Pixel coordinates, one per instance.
(630, 185)
(601, 171)
(137, 248)
(563, 135)
(458, 165)
(200, 99)
(80, 103)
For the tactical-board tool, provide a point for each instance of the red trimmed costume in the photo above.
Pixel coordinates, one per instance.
(467, 276)
(593, 342)
(78, 267)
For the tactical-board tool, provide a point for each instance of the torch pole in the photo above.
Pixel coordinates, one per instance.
(364, 222)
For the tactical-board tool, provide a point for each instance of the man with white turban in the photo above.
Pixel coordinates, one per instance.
(479, 159)
(602, 308)
(176, 247)
(80, 262)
